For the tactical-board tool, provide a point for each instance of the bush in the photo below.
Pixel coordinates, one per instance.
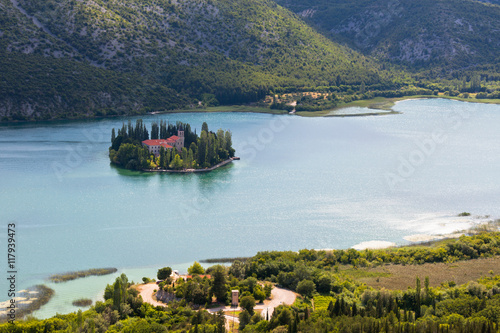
(248, 303)
(82, 302)
(306, 288)
(164, 273)
(147, 280)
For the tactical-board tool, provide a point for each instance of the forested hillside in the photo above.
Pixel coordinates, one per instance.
(448, 36)
(100, 57)
(85, 58)
(43, 77)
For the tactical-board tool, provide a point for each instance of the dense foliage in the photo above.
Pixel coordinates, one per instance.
(203, 151)
(332, 301)
(161, 55)
(289, 268)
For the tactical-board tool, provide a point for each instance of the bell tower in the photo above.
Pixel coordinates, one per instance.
(180, 134)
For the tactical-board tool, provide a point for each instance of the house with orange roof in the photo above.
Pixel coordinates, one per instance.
(175, 141)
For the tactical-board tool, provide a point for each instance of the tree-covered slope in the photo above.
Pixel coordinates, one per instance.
(237, 50)
(448, 34)
(43, 77)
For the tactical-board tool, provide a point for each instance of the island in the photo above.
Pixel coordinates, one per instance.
(170, 147)
(68, 276)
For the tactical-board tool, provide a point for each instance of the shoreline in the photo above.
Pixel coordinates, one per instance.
(221, 164)
(67, 292)
(483, 224)
(384, 104)
(379, 103)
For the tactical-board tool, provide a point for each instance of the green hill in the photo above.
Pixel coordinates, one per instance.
(69, 58)
(447, 35)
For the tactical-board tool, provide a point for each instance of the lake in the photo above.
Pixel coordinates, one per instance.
(301, 183)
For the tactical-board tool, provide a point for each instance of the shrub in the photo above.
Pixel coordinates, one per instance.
(82, 302)
(306, 288)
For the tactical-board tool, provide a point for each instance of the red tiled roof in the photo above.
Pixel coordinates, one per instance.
(208, 276)
(163, 143)
(160, 142)
(173, 138)
(151, 142)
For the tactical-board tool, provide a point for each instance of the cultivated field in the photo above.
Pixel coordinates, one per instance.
(399, 277)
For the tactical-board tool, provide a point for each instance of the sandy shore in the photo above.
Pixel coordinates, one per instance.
(419, 238)
(373, 245)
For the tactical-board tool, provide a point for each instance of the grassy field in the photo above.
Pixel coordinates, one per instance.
(321, 302)
(236, 313)
(231, 108)
(232, 313)
(359, 274)
(399, 277)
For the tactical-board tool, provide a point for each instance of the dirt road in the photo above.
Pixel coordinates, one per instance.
(279, 296)
(147, 292)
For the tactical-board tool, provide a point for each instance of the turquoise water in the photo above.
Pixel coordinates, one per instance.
(300, 183)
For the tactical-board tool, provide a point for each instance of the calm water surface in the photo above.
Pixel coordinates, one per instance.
(301, 183)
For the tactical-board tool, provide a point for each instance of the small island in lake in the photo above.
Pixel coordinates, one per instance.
(68, 276)
(170, 148)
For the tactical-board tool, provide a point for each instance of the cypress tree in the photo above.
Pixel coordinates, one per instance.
(117, 294)
(417, 299)
(155, 131)
(79, 318)
(204, 127)
(343, 307)
(162, 157)
(163, 130)
(427, 292)
(379, 309)
(330, 308)
(336, 308)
